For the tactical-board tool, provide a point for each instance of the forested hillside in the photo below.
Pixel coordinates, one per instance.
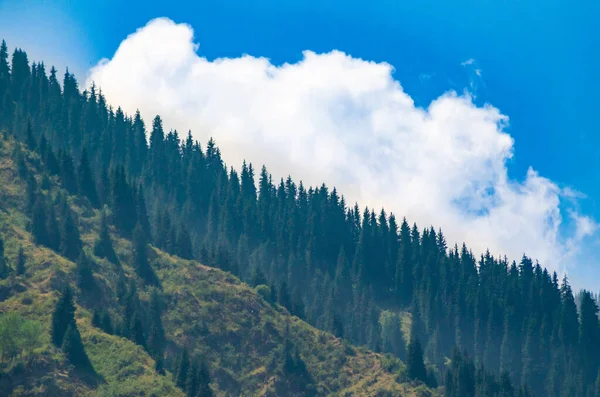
(486, 325)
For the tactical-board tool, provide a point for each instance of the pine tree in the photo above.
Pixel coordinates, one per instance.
(30, 139)
(85, 276)
(107, 323)
(39, 223)
(73, 348)
(63, 316)
(20, 266)
(589, 337)
(70, 244)
(67, 173)
(156, 336)
(103, 246)
(136, 330)
(85, 179)
(3, 266)
(97, 319)
(204, 389)
(184, 244)
(191, 387)
(183, 368)
(140, 254)
(283, 296)
(414, 361)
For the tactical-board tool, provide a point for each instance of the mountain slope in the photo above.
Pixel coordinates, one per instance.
(211, 312)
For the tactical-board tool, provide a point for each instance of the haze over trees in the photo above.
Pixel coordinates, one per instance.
(508, 328)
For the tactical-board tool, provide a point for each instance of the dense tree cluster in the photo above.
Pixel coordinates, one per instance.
(192, 376)
(64, 332)
(335, 265)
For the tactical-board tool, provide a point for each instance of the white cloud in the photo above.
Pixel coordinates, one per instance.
(346, 122)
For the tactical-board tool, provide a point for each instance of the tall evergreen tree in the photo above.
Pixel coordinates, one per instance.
(20, 266)
(63, 316)
(85, 179)
(85, 276)
(70, 243)
(3, 265)
(103, 246)
(73, 348)
(414, 360)
(183, 368)
(140, 255)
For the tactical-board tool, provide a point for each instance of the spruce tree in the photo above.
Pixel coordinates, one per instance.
(85, 276)
(183, 368)
(97, 319)
(73, 348)
(204, 389)
(103, 246)
(20, 266)
(184, 244)
(156, 335)
(3, 266)
(63, 316)
(70, 244)
(136, 330)
(107, 323)
(191, 387)
(53, 231)
(85, 179)
(414, 360)
(142, 265)
(39, 223)
(67, 173)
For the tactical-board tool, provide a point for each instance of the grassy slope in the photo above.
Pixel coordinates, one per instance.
(208, 310)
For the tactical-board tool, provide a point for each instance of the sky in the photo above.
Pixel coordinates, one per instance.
(474, 116)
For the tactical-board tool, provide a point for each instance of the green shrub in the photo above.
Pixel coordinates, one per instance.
(18, 336)
(264, 291)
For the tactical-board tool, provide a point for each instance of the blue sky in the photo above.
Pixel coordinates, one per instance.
(537, 62)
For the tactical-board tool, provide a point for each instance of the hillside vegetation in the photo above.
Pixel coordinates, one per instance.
(241, 334)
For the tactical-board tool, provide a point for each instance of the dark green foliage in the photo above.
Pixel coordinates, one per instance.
(85, 179)
(414, 361)
(39, 222)
(85, 275)
(184, 244)
(136, 330)
(196, 382)
(463, 378)
(103, 246)
(67, 173)
(73, 348)
(19, 159)
(97, 319)
(20, 266)
(156, 334)
(191, 386)
(296, 378)
(183, 368)
(123, 202)
(54, 233)
(4, 269)
(140, 254)
(204, 389)
(107, 323)
(63, 316)
(30, 139)
(70, 243)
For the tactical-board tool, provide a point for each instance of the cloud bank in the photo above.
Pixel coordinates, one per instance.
(345, 121)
